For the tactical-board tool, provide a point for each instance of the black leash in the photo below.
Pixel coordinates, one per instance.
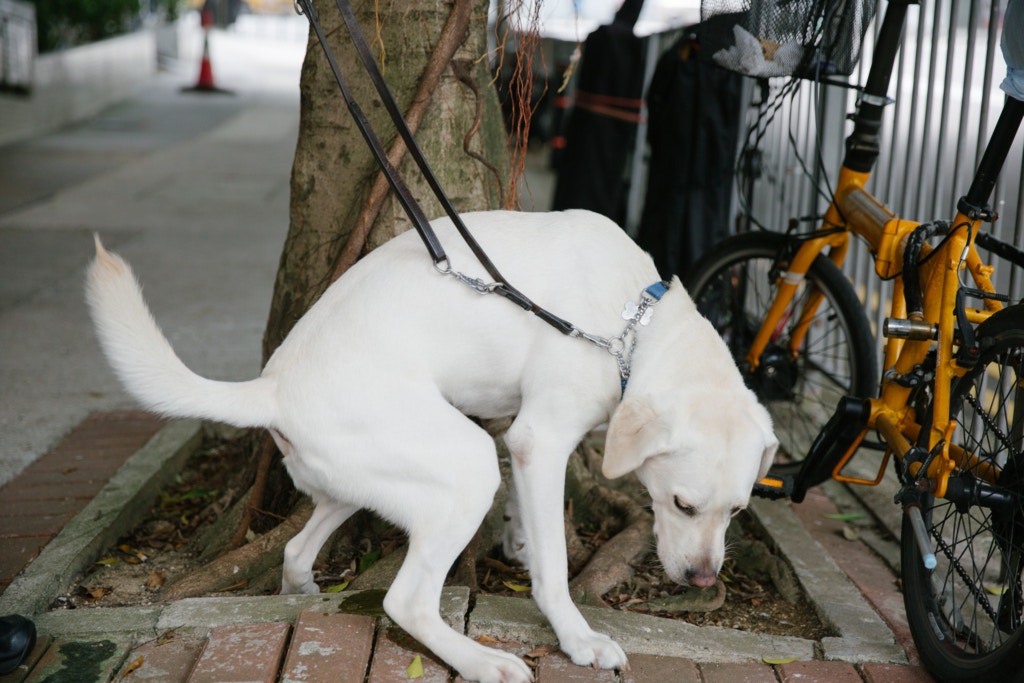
(412, 208)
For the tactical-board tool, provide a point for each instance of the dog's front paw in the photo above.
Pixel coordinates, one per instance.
(494, 666)
(594, 649)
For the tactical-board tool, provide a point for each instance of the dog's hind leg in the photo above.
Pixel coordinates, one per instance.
(301, 551)
(540, 452)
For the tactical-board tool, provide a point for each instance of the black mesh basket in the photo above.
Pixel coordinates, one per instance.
(805, 38)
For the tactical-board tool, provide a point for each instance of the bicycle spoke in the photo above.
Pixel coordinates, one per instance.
(800, 384)
(974, 595)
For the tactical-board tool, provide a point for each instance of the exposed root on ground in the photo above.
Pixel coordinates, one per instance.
(238, 568)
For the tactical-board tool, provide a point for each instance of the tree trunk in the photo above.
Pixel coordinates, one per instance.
(432, 54)
(334, 170)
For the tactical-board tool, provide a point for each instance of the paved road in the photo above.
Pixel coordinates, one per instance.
(191, 188)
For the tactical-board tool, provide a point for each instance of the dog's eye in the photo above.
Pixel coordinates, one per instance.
(687, 510)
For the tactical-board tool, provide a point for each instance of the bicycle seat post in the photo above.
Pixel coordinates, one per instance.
(862, 145)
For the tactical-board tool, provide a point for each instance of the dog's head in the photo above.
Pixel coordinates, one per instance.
(699, 460)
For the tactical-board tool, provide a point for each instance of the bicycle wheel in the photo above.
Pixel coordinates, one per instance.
(965, 615)
(734, 286)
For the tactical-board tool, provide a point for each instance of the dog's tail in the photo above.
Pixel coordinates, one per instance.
(147, 365)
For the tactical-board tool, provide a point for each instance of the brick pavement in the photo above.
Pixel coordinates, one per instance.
(37, 504)
(350, 648)
(869, 573)
(336, 646)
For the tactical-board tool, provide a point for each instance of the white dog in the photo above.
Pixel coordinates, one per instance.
(367, 399)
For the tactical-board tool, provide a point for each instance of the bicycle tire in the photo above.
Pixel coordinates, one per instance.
(966, 614)
(743, 268)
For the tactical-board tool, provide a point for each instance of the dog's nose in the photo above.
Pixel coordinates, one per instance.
(701, 579)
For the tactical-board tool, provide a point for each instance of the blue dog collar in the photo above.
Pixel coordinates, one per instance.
(658, 289)
(635, 314)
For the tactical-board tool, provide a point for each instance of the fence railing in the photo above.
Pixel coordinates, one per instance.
(946, 99)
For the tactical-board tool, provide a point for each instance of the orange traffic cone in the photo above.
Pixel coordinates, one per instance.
(205, 82)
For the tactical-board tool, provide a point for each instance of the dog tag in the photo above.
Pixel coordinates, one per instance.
(630, 311)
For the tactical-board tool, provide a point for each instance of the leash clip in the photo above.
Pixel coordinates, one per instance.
(478, 285)
(444, 267)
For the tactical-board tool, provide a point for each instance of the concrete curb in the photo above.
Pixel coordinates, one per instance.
(519, 620)
(862, 636)
(112, 513)
(196, 616)
(73, 84)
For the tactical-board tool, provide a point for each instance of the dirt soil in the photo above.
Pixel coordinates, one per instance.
(163, 547)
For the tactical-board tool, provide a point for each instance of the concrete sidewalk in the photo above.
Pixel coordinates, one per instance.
(193, 190)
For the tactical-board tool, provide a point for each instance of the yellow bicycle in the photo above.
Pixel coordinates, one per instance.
(948, 404)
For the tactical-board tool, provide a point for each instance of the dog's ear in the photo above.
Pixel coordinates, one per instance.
(771, 442)
(768, 456)
(635, 433)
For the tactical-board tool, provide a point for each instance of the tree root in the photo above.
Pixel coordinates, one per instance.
(590, 499)
(268, 449)
(612, 564)
(243, 565)
(579, 554)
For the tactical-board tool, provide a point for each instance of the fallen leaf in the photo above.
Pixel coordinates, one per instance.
(775, 661)
(368, 560)
(541, 651)
(995, 590)
(850, 533)
(845, 517)
(156, 580)
(237, 586)
(133, 666)
(486, 639)
(492, 563)
(69, 470)
(415, 669)
(518, 588)
(94, 593)
(167, 637)
(108, 561)
(197, 493)
(337, 588)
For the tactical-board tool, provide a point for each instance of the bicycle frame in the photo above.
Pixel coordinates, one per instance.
(855, 211)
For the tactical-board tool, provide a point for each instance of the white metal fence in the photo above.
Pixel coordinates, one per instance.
(946, 99)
